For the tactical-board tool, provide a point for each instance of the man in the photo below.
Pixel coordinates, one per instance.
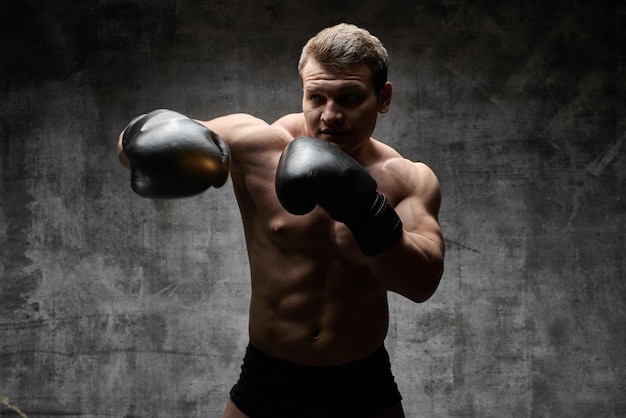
(332, 221)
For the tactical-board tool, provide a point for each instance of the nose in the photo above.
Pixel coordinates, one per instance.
(332, 113)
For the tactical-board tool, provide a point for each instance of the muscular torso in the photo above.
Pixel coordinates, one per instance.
(314, 300)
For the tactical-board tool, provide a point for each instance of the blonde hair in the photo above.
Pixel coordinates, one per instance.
(343, 45)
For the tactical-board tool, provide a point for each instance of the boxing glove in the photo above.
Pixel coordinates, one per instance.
(172, 156)
(312, 172)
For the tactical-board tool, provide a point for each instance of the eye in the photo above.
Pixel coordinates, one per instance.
(316, 98)
(351, 99)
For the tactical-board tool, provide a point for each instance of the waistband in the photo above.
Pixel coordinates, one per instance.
(255, 356)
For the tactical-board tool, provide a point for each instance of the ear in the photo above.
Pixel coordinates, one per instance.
(384, 98)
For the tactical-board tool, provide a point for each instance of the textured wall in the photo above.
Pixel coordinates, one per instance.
(112, 305)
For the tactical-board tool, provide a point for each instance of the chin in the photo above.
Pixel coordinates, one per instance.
(336, 139)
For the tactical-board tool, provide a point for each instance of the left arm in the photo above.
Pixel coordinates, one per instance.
(413, 265)
(403, 245)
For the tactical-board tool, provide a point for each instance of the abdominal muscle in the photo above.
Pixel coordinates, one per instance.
(314, 302)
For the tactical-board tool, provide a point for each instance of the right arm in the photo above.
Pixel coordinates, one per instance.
(172, 156)
(231, 127)
(247, 136)
(242, 135)
(237, 129)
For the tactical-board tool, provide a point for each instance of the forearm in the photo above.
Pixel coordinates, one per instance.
(412, 267)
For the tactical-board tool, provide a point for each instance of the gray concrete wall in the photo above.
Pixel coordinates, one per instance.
(116, 306)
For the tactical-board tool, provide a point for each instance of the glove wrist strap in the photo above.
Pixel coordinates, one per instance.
(380, 229)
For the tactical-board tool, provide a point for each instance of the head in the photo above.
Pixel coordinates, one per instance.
(343, 70)
(339, 47)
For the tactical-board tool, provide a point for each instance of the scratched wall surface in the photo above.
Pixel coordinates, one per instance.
(113, 305)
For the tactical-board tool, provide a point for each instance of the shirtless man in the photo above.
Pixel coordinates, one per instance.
(332, 223)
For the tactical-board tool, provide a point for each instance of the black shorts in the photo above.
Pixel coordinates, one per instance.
(273, 388)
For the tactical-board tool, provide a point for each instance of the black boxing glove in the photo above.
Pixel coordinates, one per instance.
(313, 172)
(172, 156)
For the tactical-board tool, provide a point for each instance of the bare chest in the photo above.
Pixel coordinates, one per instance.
(268, 223)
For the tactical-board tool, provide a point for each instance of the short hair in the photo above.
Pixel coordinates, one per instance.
(343, 45)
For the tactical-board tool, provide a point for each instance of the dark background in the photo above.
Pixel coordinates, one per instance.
(116, 306)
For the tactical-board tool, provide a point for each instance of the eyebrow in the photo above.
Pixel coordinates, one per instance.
(344, 88)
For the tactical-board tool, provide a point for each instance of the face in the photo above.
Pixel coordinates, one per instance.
(342, 108)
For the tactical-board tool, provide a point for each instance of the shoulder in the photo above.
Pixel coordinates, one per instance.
(405, 178)
(417, 174)
(292, 123)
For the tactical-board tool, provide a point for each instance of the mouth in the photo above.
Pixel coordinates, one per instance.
(329, 133)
